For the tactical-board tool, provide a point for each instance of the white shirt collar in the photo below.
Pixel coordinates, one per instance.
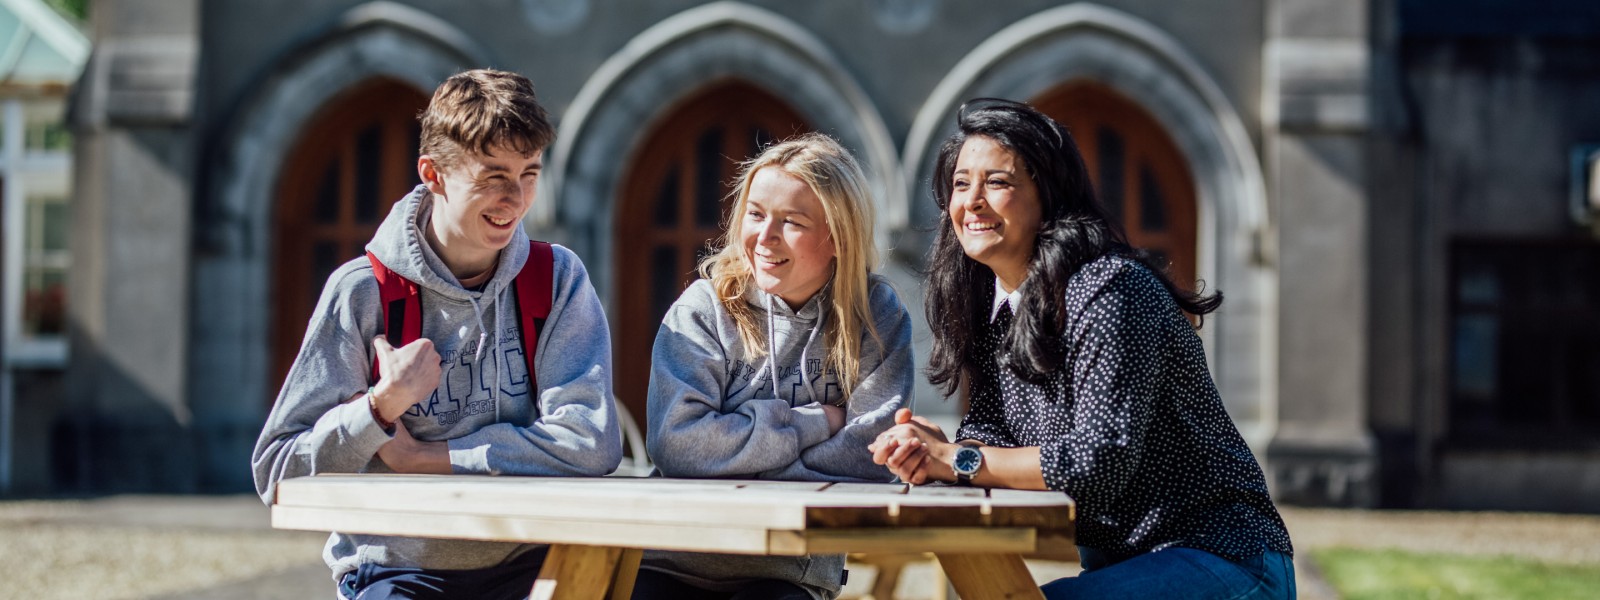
(1001, 298)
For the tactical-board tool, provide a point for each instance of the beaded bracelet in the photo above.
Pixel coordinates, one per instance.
(372, 404)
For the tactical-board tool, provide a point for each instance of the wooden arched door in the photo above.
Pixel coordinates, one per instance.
(1137, 169)
(674, 203)
(351, 163)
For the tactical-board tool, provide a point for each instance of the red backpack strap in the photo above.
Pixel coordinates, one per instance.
(534, 286)
(402, 308)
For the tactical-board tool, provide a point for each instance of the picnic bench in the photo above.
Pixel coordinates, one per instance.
(598, 527)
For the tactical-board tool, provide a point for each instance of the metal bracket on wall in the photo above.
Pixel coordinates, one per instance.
(1583, 197)
(1263, 246)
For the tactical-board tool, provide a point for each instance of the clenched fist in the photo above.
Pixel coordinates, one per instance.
(406, 375)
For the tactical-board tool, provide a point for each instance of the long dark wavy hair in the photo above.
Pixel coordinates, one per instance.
(1073, 230)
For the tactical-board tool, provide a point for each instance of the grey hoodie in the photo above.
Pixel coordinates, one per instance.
(713, 413)
(483, 406)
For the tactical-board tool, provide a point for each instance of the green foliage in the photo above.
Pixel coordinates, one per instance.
(1395, 575)
(77, 9)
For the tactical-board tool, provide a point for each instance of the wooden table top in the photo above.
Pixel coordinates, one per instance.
(728, 516)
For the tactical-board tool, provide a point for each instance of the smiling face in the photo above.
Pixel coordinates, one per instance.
(784, 233)
(994, 207)
(478, 203)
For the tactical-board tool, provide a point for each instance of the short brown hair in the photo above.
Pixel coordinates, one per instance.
(480, 110)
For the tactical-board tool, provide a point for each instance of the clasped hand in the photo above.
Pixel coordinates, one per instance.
(914, 449)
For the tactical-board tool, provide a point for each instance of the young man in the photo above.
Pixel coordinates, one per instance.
(458, 399)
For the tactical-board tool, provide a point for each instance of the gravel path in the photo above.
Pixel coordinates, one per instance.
(222, 547)
(133, 547)
(1568, 539)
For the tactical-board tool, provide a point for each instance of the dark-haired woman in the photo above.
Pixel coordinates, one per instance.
(1083, 375)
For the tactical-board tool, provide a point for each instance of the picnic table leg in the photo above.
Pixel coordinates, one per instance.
(627, 573)
(990, 576)
(889, 567)
(574, 572)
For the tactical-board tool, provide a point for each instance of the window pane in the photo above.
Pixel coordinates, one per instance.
(55, 226)
(666, 208)
(1152, 206)
(368, 189)
(52, 135)
(415, 142)
(327, 210)
(1111, 170)
(324, 259)
(1525, 344)
(45, 260)
(1476, 338)
(664, 281)
(47, 225)
(44, 301)
(709, 189)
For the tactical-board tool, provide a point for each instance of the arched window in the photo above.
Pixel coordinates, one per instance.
(351, 163)
(674, 202)
(1137, 170)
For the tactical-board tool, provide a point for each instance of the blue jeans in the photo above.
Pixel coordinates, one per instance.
(512, 580)
(655, 585)
(1178, 573)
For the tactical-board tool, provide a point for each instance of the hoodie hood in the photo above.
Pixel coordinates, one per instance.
(402, 246)
(810, 311)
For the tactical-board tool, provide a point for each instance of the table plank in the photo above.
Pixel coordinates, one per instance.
(942, 516)
(866, 488)
(551, 499)
(927, 539)
(825, 517)
(787, 486)
(1023, 508)
(947, 491)
(696, 538)
(1056, 544)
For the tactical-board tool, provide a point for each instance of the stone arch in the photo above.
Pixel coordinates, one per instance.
(1089, 41)
(230, 355)
(671, 61)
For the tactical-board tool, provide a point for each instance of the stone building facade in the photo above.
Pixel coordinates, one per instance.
(1322, 162)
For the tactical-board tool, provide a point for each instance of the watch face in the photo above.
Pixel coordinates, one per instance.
(967, 461)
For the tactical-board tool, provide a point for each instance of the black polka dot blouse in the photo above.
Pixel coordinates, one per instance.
(1132, 428)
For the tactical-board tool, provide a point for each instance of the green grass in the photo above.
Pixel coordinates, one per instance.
(1395, 574)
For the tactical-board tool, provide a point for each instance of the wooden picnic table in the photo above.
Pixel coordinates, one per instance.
(598, 527)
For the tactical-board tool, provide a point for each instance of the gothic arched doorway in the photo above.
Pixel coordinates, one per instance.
(674, 202)
(352, 161)
(1137, 169)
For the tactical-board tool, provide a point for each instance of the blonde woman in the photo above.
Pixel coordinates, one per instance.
(784, 361)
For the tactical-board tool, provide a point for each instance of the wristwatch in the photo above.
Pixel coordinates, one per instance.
(966, 462)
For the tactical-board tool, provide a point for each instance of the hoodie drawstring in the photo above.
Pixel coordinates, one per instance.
(484, 339)
(811, 389)
(772, 349)
(772, 352)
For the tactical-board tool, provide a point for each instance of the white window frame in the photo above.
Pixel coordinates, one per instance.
(27, 174)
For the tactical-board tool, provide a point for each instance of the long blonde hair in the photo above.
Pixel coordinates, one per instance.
(836, 178)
